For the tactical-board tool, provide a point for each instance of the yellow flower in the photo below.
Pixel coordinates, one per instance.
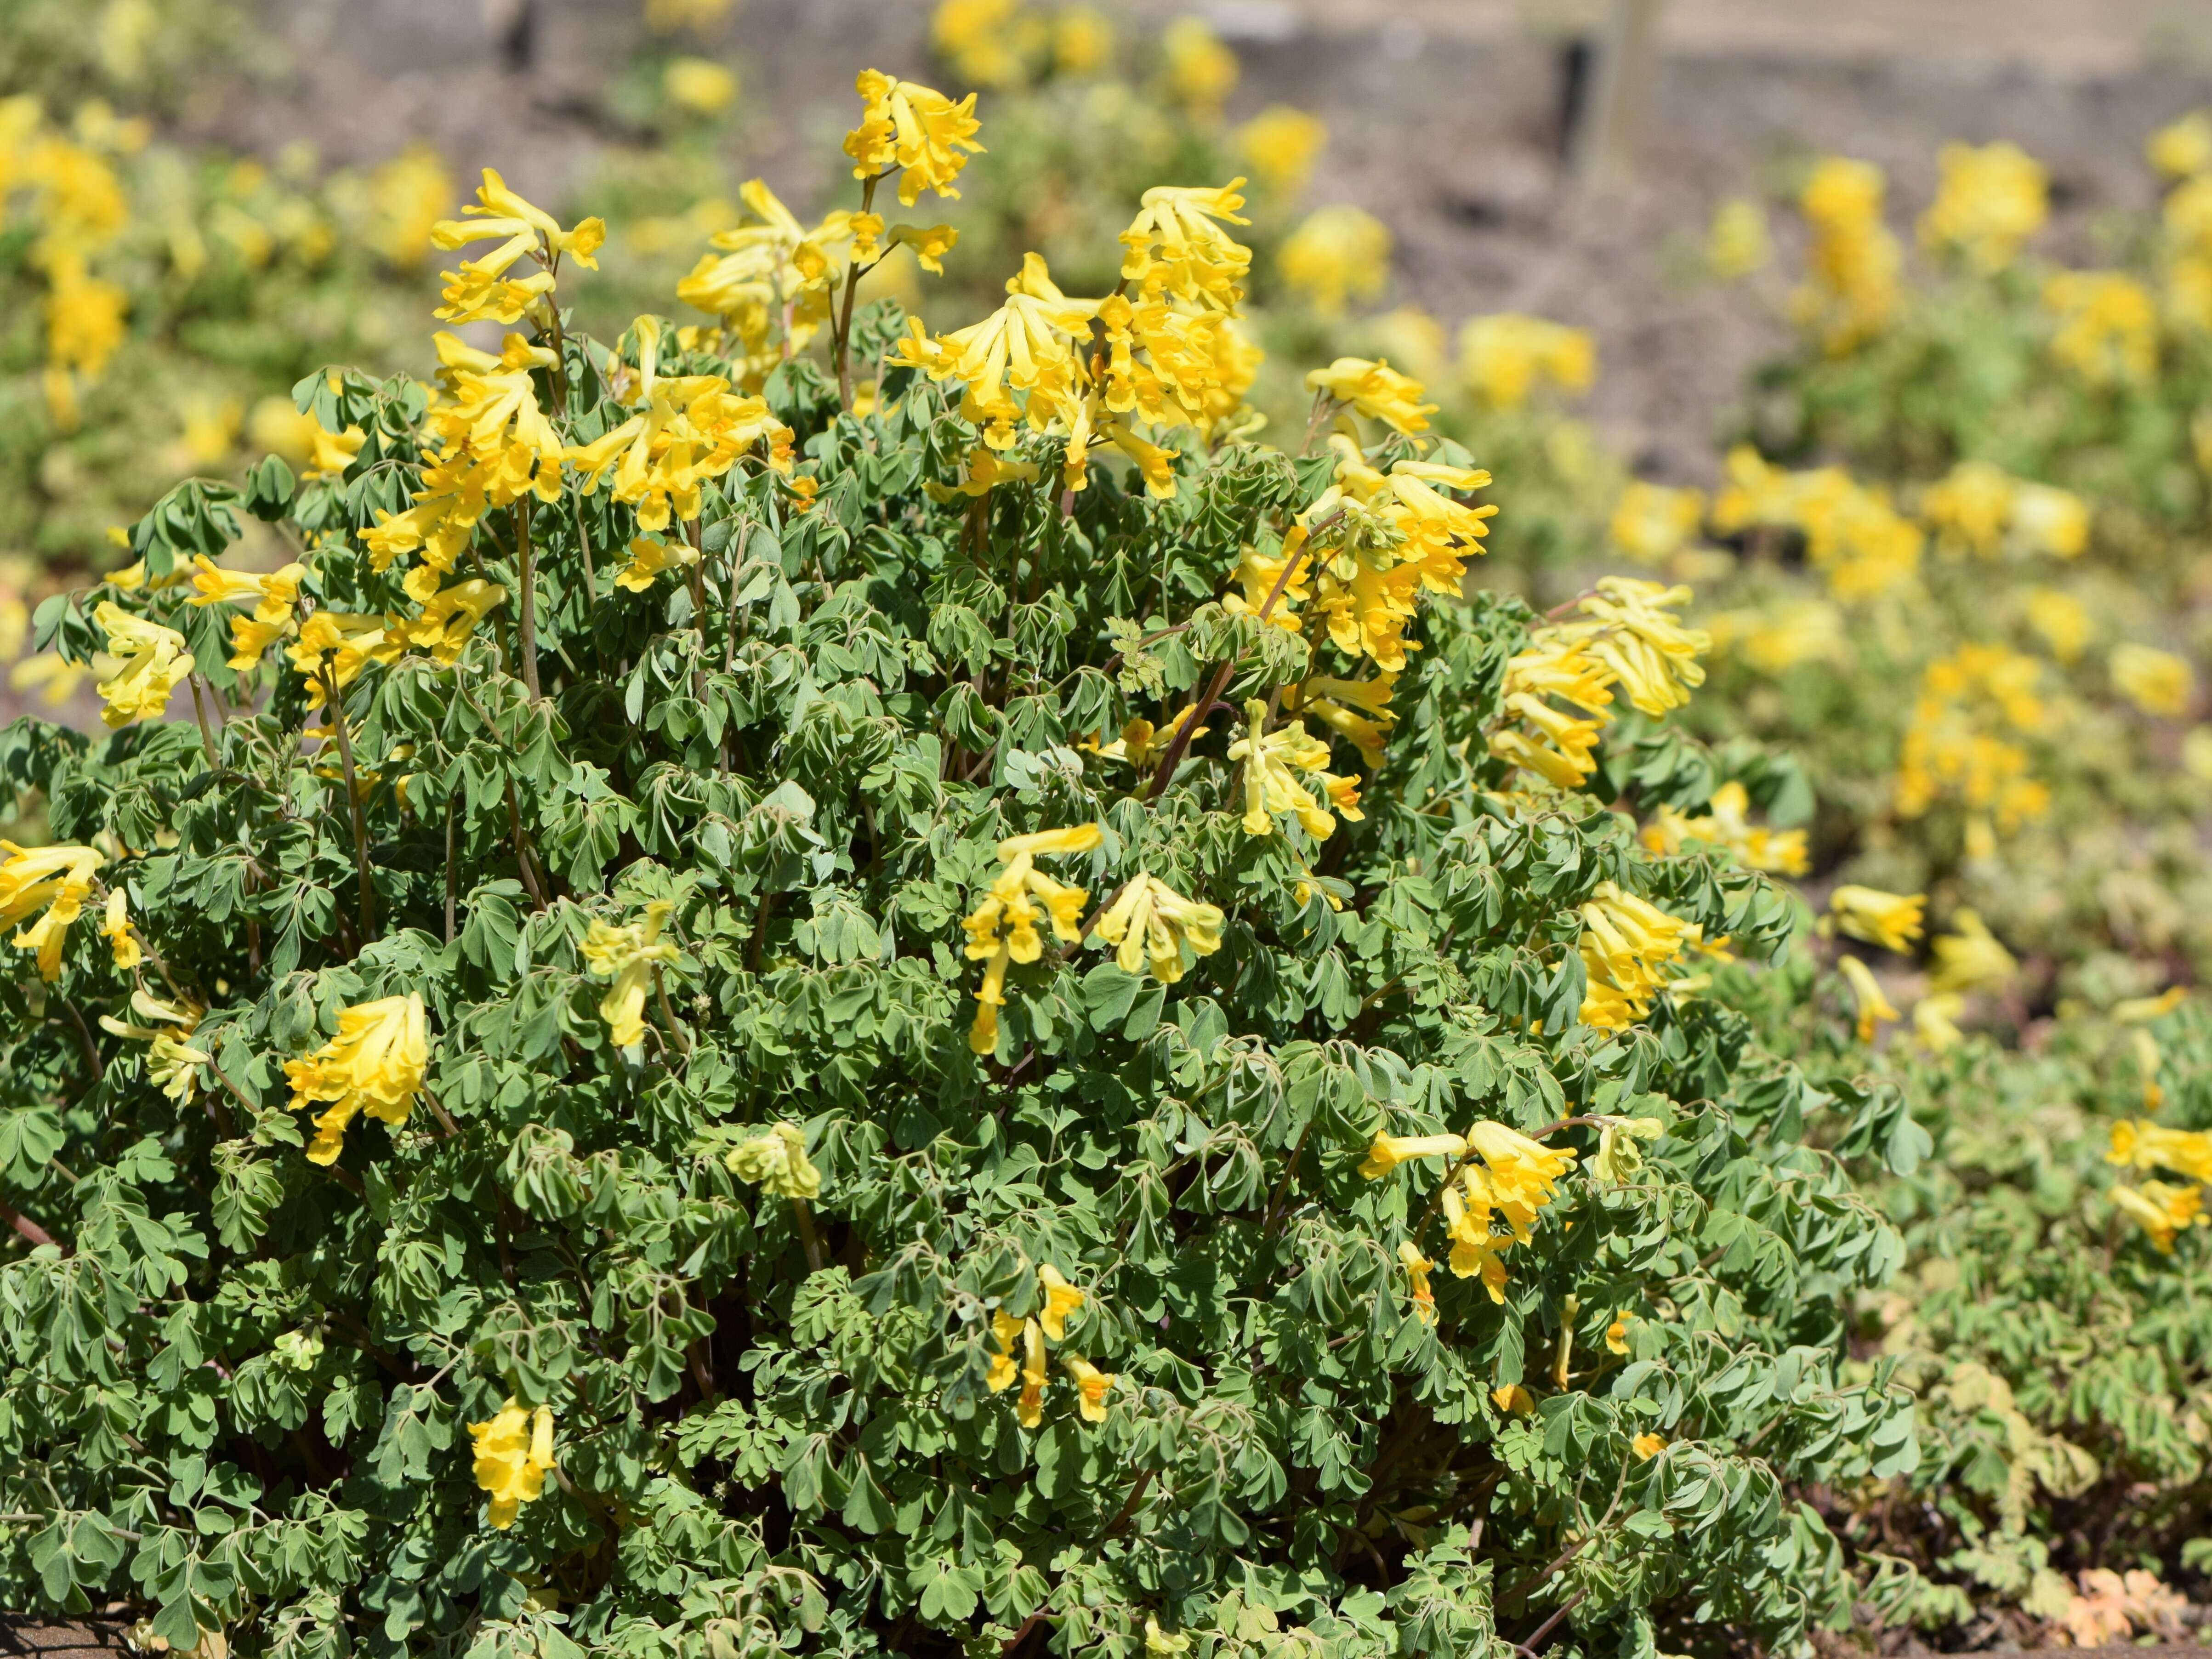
(1175, 248)
(1971, 958)
(913, 128)
(1652, 523)
(273, 595)
(1027, 344)
(450, 614)
(1418, 1268)
(1505, 358)
(1005, 1331)
(1201, 71)
(1389, 1151)
(407, 197)
(2062, 620)
(1513, 1400)
(1270, 784)
(2049, 520)
(2108, 325)
(145, 662)
(1990, 201)
(1082, 41)
(2140, 1010)
(1337, 253)
(513, 1455)
(330, 453)
(53, 676)
(2182, 150)
(1521, 1173)
(55, 880)
(1008, 909)
(1091, 1387)
(1028, 1409)
(1727, 823)
(1280, 144)
(2161, 1210)
(1738, 244)
(375, 1064)
(2157, 682)
(775, 1161)
(1152, 922)
(1935, 1020)
(648, 557)
(1376, 390)
(1648, 1445)
(930, 243)
(1619, 1157)
(1873, 1005)
(1850, 291)
(699, 84)
(1616, 1333)
(2147, 1145)
(1060, 1299)
(1357, 709)
(115, 924)
(631, 957)
(1626, 942)
(1892, 920)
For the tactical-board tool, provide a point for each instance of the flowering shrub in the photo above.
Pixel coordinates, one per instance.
(875, 991)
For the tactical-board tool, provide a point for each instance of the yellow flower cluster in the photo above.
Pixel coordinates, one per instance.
(1506, 358)
(1891, 922)
(1775, 638)
(1859, 541)
(1002, 930)
(145, 662)
(1338, 253)
(1150, 923)
(51, 881)
(1280, 144)
(776, 1162)
(375, 1064)
(914, 131)
(2157, 682)
(631, 957)
(2107, 326)
(513, 1455)
(1955, 747)
(77, 203)
(1002, 43)
(1504, 1178)
(1020, 1353)
(2162, 1209)
(1851, 290)
(1652, 523)
(1626, 635)
(1738, 242)
(1626, 945)
(1273, 763)
(1201, 71)
(1990, 201)
(1727, 822)
(1982, 509)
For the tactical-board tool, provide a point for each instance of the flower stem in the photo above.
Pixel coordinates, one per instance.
(334, 718)
(845, 311)
(526, 628)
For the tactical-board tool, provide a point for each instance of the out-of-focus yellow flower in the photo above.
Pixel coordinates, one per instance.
(630, 955)
(1652, 523)
(2138, 1143)
(144, 663)
(513, 1455)
(53, 676)
(915, 129)
(1873, 1006)
(2157, 682)
(53, 880)
(407, 197)
(375, 1064)
(1337, 253)
(1891, 921)
(1738, 243)
(2184, 149)
(1201, 72)
(2141, 1010)
(2107, 328)
(280, 429)
(1513, 1400)
(699, 84)
(1376, 390)
(1082, 41)
(2162, 1211)
(1935, 1021)
(1505, 358)
(775, 1161)
(2062, 620)
(1647, 1446)
(1851, 290)
(1781, 636)
(1280, 144)
(1003, 928)
(1971, 959)
(1727, 822)
(1152, 922)
(1989, 201)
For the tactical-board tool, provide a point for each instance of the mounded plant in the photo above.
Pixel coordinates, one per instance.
(763, 1004)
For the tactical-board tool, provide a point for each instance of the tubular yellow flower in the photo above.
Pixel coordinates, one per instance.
(1270, 785)
(1935, 1021)
(1616, 1333)
(1376, 390)
(630, 955)
(1175, 248)
(1727, 824)
(775, 1161)
(1005, 1331)
(1874, 1008)
(1971, 958)
(1028, 1409)
(2157, 682)
(2163, 1211)
(1990, 201)
(2142, 1145)
(1389, 1151)
(375, 1064)
(1513, 1400)
(1201, 71)
(2108, 325)
(449, 614)
(115, 925)
(1892, 920)
(1002, 929)
(1060, 1299)
(1418, 1268)
(1619, 1157)
(513, 1455)
(913, 128)
(1522, 1174)
(54, 880)
(648, 557)
(1150, 922)
(1092, 1386)
(144, 663)
(1648, 1445)
(1627, 942)
(930, 243)
(1357, 709)
(1505, 358)
(1280, 144)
